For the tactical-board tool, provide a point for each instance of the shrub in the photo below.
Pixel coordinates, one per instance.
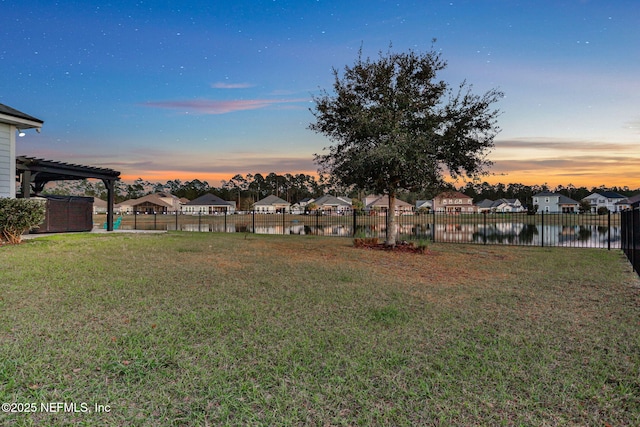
(602, 210)
(18, 216)
(421, 245)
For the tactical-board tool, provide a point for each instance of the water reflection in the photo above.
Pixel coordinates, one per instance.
(506, 233)
(592, 236)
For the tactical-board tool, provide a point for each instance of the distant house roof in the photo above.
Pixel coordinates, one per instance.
(610, 194)
(452, 195)
(160, 199)
(209, 200)
(271, 200)
(489, 204)
(485, 204)
(564, 200)
(632, 200)
(329, 200)
(383, 202)
(545, 194)
(99, 203)
(18, 118)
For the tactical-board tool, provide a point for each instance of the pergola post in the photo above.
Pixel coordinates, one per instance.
(109, 184)
(26, 184)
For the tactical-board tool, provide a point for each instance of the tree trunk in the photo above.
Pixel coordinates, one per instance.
(391, 220)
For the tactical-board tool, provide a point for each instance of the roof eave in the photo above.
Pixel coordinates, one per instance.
(19, 122)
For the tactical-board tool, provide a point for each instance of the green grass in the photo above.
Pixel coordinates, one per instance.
(200, 329)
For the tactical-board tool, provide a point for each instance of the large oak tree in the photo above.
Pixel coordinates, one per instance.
(395, 126)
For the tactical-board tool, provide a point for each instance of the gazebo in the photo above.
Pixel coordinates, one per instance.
(36, 173)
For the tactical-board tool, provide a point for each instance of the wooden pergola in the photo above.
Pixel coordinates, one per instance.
(36, 173)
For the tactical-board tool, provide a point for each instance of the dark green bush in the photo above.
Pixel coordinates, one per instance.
(18, 216)
(602, 210)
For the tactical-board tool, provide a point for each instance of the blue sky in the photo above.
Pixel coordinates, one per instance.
(207, 89)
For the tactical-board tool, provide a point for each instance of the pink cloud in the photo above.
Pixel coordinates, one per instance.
(223, 85)
(204, 106)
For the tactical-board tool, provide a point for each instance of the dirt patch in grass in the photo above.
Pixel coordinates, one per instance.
(403, 247)
(441, 267)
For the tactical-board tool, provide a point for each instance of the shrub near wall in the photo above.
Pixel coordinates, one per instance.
(18, 216)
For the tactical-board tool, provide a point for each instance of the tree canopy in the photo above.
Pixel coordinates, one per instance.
(395, 126)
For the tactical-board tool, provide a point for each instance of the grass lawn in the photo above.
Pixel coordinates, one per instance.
(207, 329)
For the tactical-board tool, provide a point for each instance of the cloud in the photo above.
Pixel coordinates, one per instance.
(562, 145)
(205, 106)
(223, 85)
(587, 170)
(568, 163)
(216, 170)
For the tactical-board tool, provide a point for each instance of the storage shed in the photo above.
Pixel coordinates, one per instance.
(67, 213)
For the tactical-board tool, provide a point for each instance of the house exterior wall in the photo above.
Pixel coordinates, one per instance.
(547, 204)
(334, 208)
(150, 208)
(7, 160)
(454, 203)
(265, 209)
(271, 208)
(208, 209)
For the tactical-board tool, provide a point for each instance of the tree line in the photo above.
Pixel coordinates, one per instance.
(243, 189)
(249, 188)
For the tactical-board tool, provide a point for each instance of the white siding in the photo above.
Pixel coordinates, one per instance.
(7, 161)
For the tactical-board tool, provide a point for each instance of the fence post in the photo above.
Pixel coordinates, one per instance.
(354, 223)
(542, 228)
(386, 229)
(226, 212)
(433, 226)
(633, 238)
(317, 226)
(135, 219)
(253, 221)
(623, 232)
(609, 231)
(284, 214)
(155, 220)
(484, 232)
(199, 219)
(177, 220)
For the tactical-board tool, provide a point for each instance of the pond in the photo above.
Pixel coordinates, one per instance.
(500, 233)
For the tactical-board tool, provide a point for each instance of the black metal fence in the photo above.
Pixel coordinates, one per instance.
(570, 230)
(630, 242)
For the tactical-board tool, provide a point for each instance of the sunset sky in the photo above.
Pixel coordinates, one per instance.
(207, 89)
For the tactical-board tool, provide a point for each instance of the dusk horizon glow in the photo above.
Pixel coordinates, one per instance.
(207, 90)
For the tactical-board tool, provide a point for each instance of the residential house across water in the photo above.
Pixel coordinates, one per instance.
(209, 204)
(605, 199)
(549, 202)
(454, 202)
